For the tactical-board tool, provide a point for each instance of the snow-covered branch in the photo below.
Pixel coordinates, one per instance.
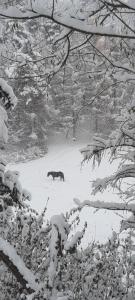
(100, 145)
(126, 171)
(78, 18)
(13, 261)
(105, 205)
(6, 92)
(8, 100)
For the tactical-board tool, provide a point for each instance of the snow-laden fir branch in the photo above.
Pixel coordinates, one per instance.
(126, 171)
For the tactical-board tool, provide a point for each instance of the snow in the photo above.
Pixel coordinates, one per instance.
(14, 12)
(130, 3)
(11, 98)
(58, 221)
(62, 35)
(33, 136)
(2, 167)
(69, 15)
(8, 89)
(67, 158)
(3, 127)
(108, 205)
(11, 253)
(73, 241)
(10, 178)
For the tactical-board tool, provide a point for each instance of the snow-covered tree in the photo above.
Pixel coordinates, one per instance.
(7, 101)
(101, 29)
(107, 28)
(31, 100)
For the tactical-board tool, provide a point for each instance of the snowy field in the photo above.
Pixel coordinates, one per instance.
(67, 158)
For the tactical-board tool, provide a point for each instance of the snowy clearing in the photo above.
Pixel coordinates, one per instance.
(67, 158)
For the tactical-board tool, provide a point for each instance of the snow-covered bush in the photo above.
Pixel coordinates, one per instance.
(32, 250)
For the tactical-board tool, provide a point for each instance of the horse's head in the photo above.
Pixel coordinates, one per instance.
(48, 174)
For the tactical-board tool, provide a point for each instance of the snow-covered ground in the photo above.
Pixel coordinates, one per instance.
(67, 158)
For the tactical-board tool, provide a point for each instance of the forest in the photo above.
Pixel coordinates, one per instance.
(67, 68)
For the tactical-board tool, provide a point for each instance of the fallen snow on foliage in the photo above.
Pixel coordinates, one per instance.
(11, 253)
(3, 126)
(8, 89)
(73, 241)
(59, 226)
(67, 158)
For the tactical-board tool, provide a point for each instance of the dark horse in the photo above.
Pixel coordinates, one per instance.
(56, 174)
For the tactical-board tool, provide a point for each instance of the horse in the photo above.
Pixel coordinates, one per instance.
(56, 174)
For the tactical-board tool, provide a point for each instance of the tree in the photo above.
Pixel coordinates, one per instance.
(101, 18)
(7, 101)
(92, 19)
(24, 73)
(123, 180)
